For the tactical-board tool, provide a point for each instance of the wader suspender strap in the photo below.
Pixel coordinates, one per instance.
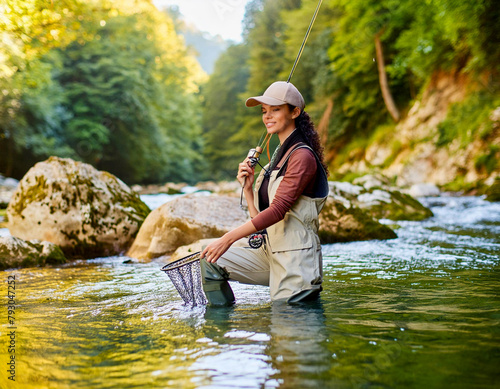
(288, 154)
(301, 145)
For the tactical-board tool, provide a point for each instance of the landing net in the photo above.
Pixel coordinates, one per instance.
(185, 274)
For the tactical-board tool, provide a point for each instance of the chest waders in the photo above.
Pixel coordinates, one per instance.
(293, 240)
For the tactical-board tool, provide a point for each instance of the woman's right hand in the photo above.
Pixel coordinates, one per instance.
(246, 174)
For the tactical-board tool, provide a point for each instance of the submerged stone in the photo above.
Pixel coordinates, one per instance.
(87, 212)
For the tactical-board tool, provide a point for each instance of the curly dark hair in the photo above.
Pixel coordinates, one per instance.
(305, 125)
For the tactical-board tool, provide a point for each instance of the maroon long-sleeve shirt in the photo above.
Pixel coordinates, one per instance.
(299, 179)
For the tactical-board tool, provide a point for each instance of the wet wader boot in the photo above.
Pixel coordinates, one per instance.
(214, 281)
(305, 295)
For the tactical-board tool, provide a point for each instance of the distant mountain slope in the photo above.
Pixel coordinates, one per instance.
(205, 48)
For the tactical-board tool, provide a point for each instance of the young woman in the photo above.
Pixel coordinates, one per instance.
(286, 200)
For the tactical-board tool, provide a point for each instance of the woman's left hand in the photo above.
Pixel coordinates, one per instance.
(215, 249)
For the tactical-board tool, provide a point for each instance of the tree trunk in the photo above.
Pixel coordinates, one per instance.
(384, 86)
(324, 122)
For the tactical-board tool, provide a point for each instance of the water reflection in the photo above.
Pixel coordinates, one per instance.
(233, 357)
(267, 346)
(297, 347)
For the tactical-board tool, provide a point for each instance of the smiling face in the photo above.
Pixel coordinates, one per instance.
(279, 119)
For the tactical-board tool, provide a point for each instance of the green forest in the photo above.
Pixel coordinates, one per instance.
(112, 83)
(109, 83)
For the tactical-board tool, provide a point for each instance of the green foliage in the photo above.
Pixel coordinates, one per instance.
(461, 185)
(338, 65)
(468, 119)
(115, 87)
(112, 84)
(244, 70)
(121, 109)
(449, 34)
(489, 161)
(30, 121)
(266, 44)
(220, 109)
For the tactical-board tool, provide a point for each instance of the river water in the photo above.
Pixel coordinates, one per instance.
(420, 311)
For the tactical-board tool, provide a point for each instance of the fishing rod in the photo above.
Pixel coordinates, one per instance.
(299, 54)
(255, 153)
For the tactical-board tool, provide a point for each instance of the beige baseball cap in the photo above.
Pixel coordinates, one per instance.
(279, 93)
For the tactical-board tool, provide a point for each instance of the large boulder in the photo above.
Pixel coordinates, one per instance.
(374, 195)
(15, 252)
(184, 251)
(192, 248)
(88, 213)
(185, 220)
(339, 223)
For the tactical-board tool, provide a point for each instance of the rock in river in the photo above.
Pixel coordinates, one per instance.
(338, 223)
(493, 192)
(185, 220)
(424, 190)
(375, 196)
(15, 252)
(88, 213)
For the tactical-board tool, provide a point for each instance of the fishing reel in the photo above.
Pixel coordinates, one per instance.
(256, 239)
(254, 155)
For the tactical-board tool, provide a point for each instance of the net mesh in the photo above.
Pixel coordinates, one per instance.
(185, 274)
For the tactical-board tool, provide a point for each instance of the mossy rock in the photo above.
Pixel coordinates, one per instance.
(341, 224)
(379, 200)
(172, 191)
(88, 213)
(493, 192)
(15, 253)
(401, 207)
